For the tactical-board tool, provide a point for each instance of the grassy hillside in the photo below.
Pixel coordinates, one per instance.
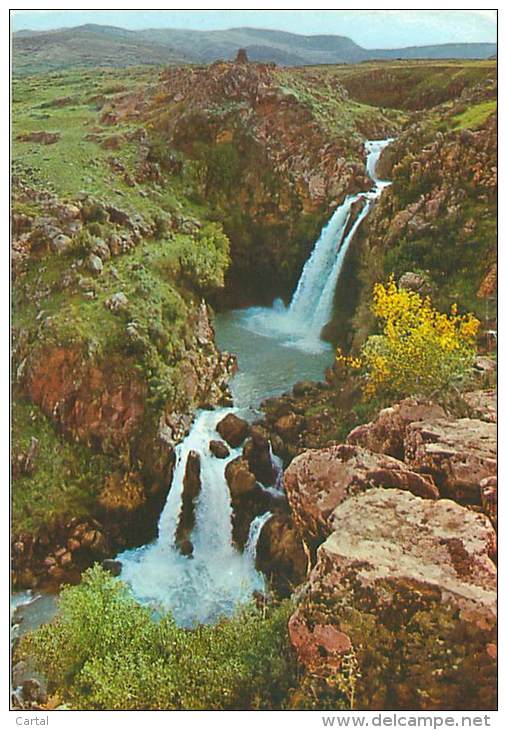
(97, 45)
(408, 85)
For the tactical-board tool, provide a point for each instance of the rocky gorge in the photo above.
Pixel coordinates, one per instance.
(378, 520)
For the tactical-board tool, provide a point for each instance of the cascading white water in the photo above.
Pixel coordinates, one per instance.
(217, 577)
(211, 583)
(312, 303)
(254, 534)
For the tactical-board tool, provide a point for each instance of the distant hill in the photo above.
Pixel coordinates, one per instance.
(101, 45)
(86, 46)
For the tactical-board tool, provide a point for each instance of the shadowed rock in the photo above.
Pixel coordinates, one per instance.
(256, 451)
(191, 491)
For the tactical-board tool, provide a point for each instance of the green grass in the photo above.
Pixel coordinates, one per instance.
(66, 479)
(407, 85)
(475, 116)
(346, 119)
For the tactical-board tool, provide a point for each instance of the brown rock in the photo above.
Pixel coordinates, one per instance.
(288, 427)
(232, 429)
(239, 477)
(459, 454)
(319, 646)
(219, 449)
(281, 555)
(397, 572)
(191, 491)
(257, 452)
(483, 404)
(317, 481)
(386, 434)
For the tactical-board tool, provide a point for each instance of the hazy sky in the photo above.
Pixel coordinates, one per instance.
(369, 28)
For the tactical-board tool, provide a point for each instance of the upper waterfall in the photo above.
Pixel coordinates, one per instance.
(301, 324)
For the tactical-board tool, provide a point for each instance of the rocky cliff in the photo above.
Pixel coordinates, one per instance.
(399, 609)
(438, 218)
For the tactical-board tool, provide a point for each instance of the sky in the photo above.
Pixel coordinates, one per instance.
(368, 28)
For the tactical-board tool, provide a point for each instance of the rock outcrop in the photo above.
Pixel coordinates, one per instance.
(190, 494)
(406, 586)
(457, 453)
(233, 429)
(318, 481)
(386, 434)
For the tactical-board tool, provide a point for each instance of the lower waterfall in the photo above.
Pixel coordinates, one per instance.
(276, 346)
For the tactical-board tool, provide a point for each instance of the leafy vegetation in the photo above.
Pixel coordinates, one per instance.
(475, 116)
(105, 651)
(65, 479)
(420, 350)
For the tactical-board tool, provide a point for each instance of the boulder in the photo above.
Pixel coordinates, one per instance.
(483, 404)
(61, 243)
(281, 554)
(405, 588)
(317, 481)
(233, 429)
(289, 427)
(386, 434)
(117, 302)
(239, 477)
(219, 449)
(258, 455)
(95, 264)
(415, 282)
(112, 566)
(101, 249)
(191, 491)
(458, 454)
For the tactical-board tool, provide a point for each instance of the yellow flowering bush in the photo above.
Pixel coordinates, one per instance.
(420, 351)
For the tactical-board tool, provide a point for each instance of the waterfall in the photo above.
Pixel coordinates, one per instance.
(254, 534)
(217, 577)
(300, 325)
(312, 304)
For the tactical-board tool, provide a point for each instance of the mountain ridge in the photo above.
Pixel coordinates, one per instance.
(96, 45)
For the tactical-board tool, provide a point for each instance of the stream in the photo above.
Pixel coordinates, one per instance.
(276, 346)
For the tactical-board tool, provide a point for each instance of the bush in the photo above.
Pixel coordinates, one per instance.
(206, 259)
(105, 651)
(420, 351)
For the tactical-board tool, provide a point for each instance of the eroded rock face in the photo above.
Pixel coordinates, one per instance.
(316, 482)
(397, 572)
(386, 434)
(483, 404)
(90, 402)
(459, 454)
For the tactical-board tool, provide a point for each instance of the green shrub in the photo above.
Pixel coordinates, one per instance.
(105, 651)
(205, 260)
